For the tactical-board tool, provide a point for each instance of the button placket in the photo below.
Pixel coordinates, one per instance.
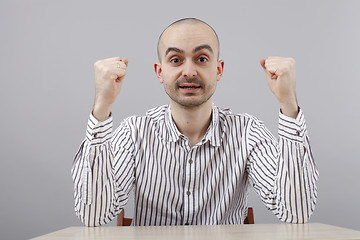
(189, 185)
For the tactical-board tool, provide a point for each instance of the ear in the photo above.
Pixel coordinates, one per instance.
(220, 69)
(158, 71)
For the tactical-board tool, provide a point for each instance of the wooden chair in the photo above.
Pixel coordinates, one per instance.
(250, 217)
(121, 221)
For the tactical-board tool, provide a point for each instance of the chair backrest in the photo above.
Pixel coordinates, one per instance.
(121, 221)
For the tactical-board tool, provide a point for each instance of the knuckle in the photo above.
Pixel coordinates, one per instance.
(292, 61)
(96, 64)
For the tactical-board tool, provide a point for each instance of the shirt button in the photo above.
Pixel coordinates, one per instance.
(95, 135)
(190, 161)
(188, 193)
(297, 133)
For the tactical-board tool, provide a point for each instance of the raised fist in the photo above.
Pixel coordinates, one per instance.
(109, 74)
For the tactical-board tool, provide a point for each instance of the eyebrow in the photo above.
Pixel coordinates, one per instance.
(175, 49)
(205, 46)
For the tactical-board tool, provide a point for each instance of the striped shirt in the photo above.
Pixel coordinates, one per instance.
(207, 184)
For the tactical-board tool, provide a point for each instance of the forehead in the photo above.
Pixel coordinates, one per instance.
(187, 37)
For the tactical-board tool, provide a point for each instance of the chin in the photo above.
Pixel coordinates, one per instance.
(192, 103)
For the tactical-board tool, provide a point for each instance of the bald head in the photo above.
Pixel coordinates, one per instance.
(175, 27)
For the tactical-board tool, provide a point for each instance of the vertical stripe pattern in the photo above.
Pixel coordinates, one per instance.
(207, 184)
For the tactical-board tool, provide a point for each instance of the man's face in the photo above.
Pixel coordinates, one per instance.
(189, 68)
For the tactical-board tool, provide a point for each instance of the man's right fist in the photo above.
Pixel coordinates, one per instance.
(109, 74)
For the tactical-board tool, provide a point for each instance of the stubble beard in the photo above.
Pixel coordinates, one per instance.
(173, 92)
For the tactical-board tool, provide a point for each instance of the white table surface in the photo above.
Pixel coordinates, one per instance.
(244, 232)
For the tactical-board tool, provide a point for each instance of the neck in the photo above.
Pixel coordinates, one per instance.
(192, 122)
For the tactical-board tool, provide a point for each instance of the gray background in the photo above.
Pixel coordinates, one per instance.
(47, 53)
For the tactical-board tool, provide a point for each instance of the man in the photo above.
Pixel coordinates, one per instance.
(191, 162)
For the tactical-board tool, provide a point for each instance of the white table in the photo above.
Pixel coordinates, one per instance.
(245, 231)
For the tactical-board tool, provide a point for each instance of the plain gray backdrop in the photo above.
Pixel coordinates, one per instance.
(47, 53)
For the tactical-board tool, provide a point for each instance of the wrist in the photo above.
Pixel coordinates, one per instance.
(289, 109)
(101, 111)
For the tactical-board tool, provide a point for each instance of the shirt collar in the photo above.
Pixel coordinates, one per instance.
(213, 133)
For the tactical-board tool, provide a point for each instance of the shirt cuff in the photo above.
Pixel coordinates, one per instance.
(292, 129)
(99, 132)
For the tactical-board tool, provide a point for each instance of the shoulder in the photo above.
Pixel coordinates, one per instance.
(244, 124)
(227, 116)
(239, 123)
(152, 116)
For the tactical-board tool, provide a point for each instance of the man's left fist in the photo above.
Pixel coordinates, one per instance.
(280, 75)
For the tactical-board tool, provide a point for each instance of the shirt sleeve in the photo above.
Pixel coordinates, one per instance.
(283, 172)
(102, 172)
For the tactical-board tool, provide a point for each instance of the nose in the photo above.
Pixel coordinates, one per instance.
(189, 69)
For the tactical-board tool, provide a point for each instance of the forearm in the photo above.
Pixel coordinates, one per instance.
(93, 189)
(283, 172)
(297, 174)
(94, 184)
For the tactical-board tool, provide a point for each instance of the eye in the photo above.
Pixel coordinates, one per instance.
(203, 59)
(175, 60)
